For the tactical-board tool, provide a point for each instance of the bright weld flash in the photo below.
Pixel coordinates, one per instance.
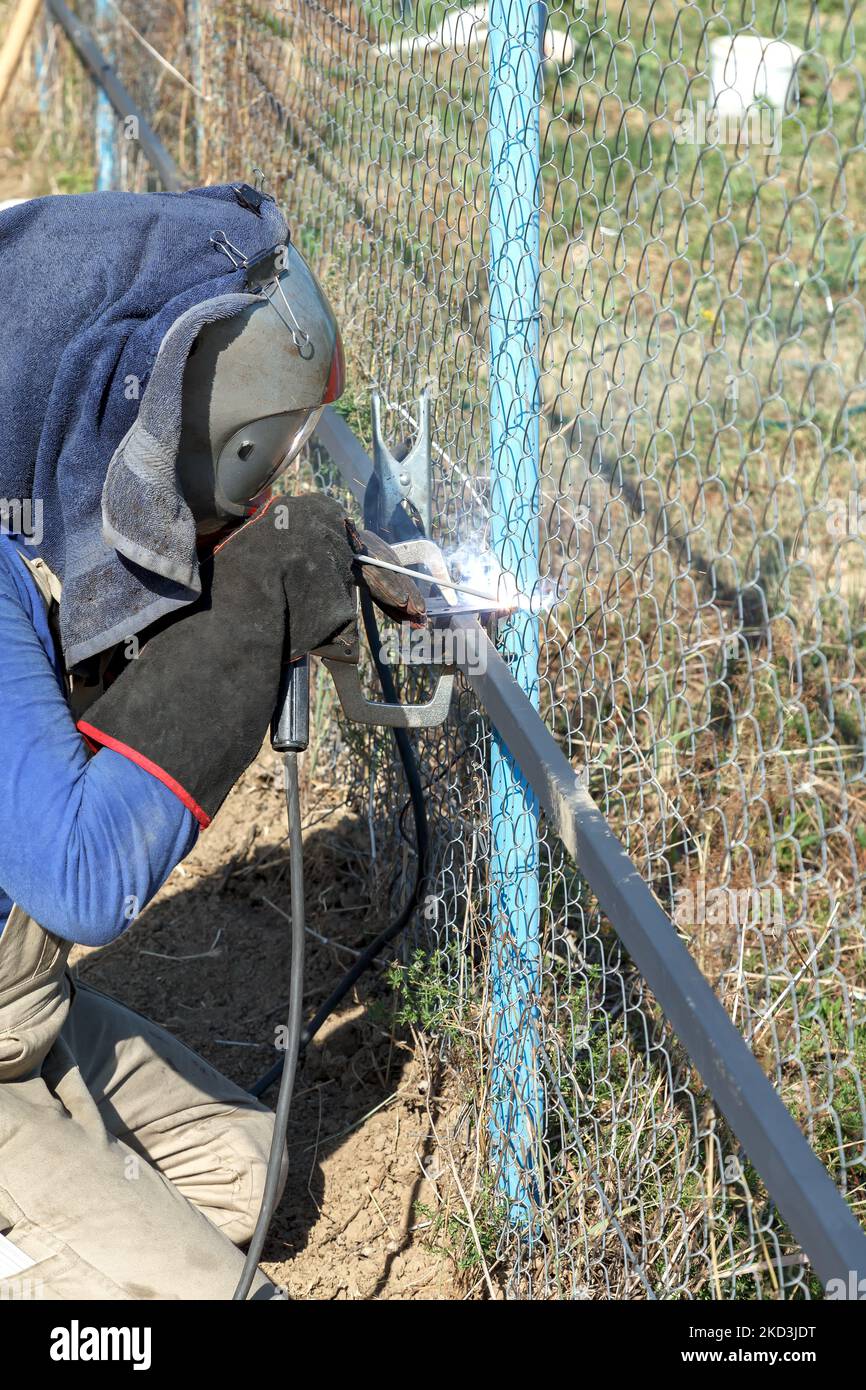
(482, 568)
(476, 571)
(422, 578)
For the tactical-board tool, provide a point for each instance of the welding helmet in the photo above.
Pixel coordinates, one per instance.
(254, 387)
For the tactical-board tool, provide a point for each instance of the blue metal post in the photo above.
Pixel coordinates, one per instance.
(515, 193)
(194, 37)
(105, 118)
(42, 65)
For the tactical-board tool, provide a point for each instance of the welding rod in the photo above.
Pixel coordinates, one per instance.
(431, 579)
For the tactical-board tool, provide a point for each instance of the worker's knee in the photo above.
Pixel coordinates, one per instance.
(252, 1143)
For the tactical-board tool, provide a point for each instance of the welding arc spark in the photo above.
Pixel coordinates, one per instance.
(422, 578)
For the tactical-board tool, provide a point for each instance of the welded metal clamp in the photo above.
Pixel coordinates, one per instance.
(342, 656)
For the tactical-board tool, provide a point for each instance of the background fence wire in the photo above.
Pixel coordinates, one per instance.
(703, 641)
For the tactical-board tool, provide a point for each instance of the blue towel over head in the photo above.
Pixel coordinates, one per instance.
(103, 295)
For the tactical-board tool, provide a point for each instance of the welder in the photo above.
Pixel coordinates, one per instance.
(163, 357)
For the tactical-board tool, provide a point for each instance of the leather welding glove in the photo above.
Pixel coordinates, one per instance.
(194, 706)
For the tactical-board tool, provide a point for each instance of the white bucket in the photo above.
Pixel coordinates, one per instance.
(465, 30)
(748, 68)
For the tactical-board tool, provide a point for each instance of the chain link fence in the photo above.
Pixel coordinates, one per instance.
(694, 526)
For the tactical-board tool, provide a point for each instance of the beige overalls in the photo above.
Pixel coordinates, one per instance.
(129, 1168)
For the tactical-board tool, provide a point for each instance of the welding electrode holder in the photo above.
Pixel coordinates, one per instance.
(342, 656)
(290, 723)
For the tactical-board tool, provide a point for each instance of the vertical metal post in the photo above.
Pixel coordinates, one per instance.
(515, 70)
(42, 64)
(105, 119)
(194, 39)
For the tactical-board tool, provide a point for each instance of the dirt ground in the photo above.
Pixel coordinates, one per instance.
(209, 959)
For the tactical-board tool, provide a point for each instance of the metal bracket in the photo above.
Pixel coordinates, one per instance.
(342, 655)
(360, 710)
(398, 478)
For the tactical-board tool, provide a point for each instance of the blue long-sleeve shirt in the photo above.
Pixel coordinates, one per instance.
(85, 842)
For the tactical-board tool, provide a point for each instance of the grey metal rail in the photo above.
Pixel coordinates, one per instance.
(800, 1186)
(104, 75)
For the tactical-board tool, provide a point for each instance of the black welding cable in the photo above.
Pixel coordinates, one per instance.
(422, 842)
(294, 1027)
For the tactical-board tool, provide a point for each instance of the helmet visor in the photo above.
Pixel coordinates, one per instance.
(252, 460)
